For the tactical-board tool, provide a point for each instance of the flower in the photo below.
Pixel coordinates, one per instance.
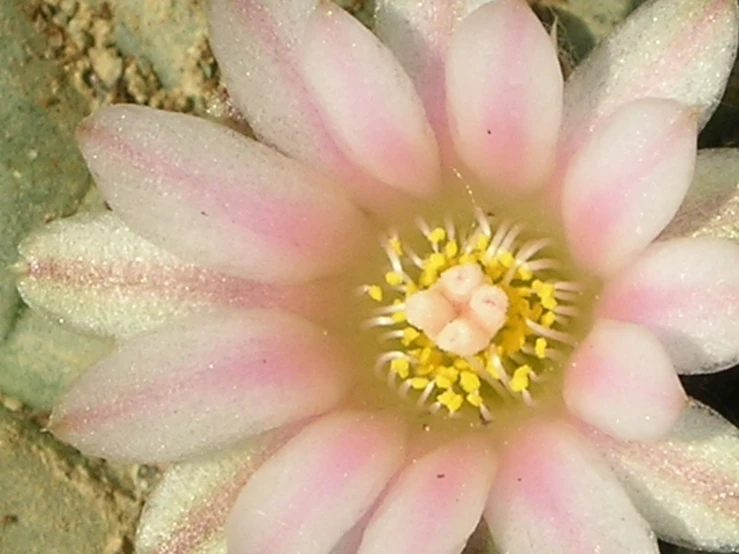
(524, 330)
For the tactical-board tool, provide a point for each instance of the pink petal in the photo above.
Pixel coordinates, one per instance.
(553, 494)
(216, 198)
(621, 381)
(686, 485)
(710, 208)
(504, 89)
(318, 486)
(677, 49)
(94, 273)
(201, 384)
(368, 102)
(448, 485)
(687, 292)
(627, 182)
(186, 513)
(258, 43)
(419, 34)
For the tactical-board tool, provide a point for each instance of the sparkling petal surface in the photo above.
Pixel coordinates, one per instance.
(94, 273)
(258, 43)
(504, 88)
(687, 292)
(199, 190)
(711, 207)
(621, 381)
(418, 33)
(448, 485)
(627, 182)
(201, 384)
(351, 73)
(543, 499)
(306, 497)
(186, 513)
(677, 49)
(685, 485)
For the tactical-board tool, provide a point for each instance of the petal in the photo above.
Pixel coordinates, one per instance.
(257, 43)
(201, 384)
(186, 513)
(504, 89)
(553, 494)
(627, 182)
(686, 485)
(419, 34)
(318, 486)
(450, 484)
(677, 49)
(216, 198)
(94, 273)
(687, 292)
(621, 381)
(368, 102)
(711, 206)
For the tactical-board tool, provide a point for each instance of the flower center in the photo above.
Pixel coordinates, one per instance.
(472, 317)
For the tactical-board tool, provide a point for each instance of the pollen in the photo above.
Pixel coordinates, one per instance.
(475, 320)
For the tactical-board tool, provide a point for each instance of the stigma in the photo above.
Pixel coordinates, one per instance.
(471, 315)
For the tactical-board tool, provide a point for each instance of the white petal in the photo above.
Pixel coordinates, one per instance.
(553, 494)
(316, 488)
(687, 292)
(711, 207)
(687, 486)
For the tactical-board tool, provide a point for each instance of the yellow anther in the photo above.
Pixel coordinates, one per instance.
(410, 288)
(549, 302)
(393, 278)
(469, 381)
(401, 366)
(443, 382)
(449, 373)
(451, 249)
(545, 291)
(483, 241)
(375, 293)
(436, 261)
(512, 340)
(492, 370)
(461, 364)
(399, 317)
(419, 383)
(547, 320)
(437, 235)
(520, 380)
(524, 273)
(506, 259)
(474, 399)
(396, 245)
(423, 370)
(451, 400)
(410, 334)
(540, 348)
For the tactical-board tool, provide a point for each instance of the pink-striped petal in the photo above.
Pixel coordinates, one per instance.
(621, 381)
(318, 486)
(419, 33)
(201, 384)
(186, 513)
(94, 273)
(368, 102)
(686, 486)
(449, 485)
(711, 207)
(258, 43)
(687, 292)
(216, 198)
(504, 88)
(677, 49)
(627, 182)
(553, 494)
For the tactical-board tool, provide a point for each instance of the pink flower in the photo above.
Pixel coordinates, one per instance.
(506, 350)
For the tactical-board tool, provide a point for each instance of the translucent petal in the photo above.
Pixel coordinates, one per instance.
(201, 384)
(687, 292)
(504, 88)
(215, 198)
(553, 494)
(686, 486)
